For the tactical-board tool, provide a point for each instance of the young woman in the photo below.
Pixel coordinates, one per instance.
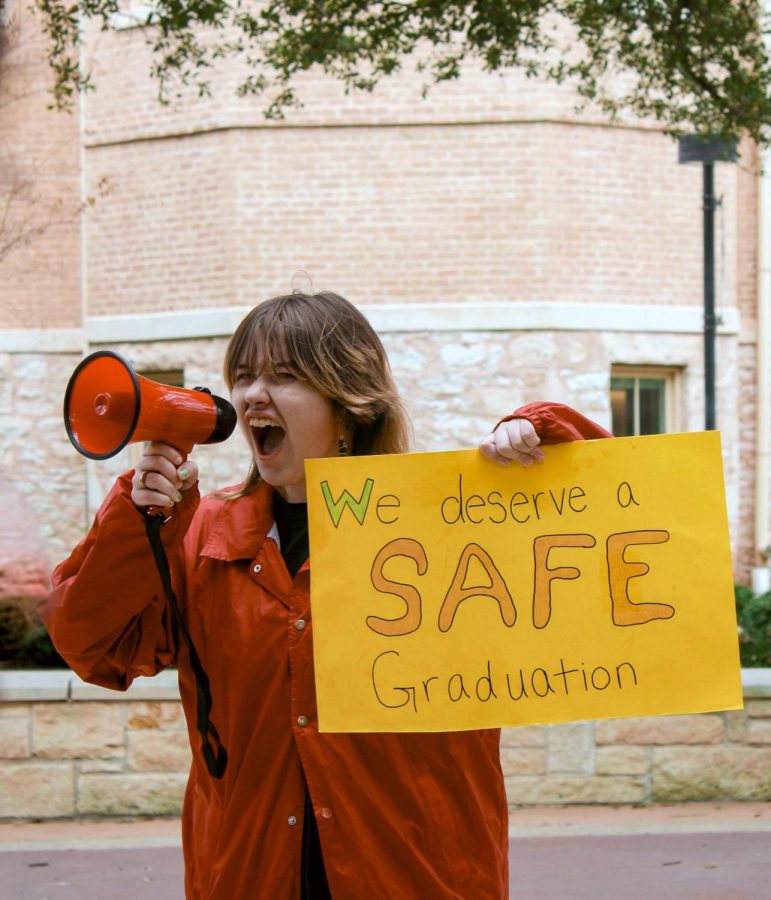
(296, 814)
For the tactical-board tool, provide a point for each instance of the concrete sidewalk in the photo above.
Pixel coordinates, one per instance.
(685, 852)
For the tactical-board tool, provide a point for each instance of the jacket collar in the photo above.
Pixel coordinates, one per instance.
(241, 525)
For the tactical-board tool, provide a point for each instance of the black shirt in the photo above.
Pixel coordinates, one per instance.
(292, 523)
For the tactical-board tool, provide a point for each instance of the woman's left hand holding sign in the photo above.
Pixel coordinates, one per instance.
(515, 440)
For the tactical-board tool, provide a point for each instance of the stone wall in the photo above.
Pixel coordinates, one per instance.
(69, 750)
(456, 384)
(39, 470)
(663, 759)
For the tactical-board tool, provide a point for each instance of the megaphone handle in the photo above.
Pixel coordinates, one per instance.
(160, 512)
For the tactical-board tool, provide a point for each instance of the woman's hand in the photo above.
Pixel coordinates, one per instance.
(161, 476)
(512, 441)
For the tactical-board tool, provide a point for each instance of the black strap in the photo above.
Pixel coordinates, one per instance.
(216, 756)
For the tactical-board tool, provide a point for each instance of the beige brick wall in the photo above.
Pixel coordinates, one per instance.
(39, 188)
(744, 553)
(498, 213)
(493, 188)
(747, 299)
(125, 102)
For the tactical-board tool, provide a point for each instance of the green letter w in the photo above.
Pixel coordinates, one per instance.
(358, 507)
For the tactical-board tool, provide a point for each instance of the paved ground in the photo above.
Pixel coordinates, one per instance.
(687, 852)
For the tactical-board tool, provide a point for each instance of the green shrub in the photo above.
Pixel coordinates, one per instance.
(36, 651)
(24, 642)
(13, 627)
(753, 613)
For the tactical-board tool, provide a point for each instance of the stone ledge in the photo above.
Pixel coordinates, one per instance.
(62, 684)
(412, 317)
(756, 682)
(35, 684)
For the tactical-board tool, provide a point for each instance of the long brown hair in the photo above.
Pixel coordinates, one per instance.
(328, 343)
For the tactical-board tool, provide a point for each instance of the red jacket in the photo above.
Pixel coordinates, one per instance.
(408, 816)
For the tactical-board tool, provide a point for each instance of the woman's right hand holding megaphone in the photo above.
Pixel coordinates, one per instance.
(161, 476)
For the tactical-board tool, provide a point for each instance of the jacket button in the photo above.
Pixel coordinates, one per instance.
(292, 820)
(299, 624)
(325, 813)
(302, 721)
(257, 568)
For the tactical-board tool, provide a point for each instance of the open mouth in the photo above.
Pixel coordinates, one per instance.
(268, 436)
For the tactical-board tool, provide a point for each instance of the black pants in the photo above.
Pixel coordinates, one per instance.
(314, 876)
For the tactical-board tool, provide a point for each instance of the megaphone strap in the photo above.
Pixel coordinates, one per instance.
(214, 753)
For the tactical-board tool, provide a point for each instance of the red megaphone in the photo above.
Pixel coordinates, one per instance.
(107, 405)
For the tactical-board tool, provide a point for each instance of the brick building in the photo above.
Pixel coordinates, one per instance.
(506, 247)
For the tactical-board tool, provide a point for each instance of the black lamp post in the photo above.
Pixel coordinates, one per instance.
(708, 151)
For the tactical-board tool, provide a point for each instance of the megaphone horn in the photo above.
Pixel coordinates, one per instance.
(108, 405)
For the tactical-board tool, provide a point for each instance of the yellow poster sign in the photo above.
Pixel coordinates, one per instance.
(450, 593)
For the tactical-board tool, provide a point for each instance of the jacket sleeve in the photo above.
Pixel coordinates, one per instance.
(107, 614)
(556, 423)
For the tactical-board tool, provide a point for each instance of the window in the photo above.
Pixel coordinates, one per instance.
(5, 12)
(174, 377)
(642, 400)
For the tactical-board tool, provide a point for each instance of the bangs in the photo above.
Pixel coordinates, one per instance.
(266, 342)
